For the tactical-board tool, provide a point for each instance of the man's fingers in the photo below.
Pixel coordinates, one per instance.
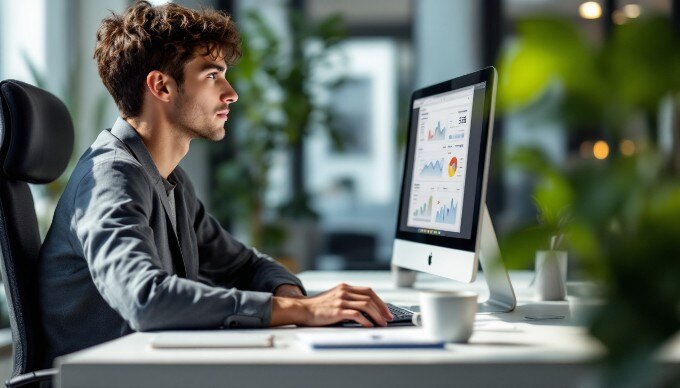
(383, 307)
(356, 297)
(356, 316)
(367, 291)
(361, 293)
(369, 308)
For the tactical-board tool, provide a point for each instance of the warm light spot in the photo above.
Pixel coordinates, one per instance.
(631, 11)
(601, 149)
(619, 17)
(627, 147)
(586, 149)
(590, 10)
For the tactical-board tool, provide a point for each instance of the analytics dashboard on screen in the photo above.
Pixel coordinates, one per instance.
(441, 169)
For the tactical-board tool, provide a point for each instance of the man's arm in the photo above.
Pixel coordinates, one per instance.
(289, 291)
(111, 221)
(227, 262)
(343, 302)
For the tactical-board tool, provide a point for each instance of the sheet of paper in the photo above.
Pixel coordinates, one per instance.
(211, 339)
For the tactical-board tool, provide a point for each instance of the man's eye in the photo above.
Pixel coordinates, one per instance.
(212, 75)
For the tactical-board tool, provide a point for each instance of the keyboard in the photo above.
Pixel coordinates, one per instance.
(402, 317)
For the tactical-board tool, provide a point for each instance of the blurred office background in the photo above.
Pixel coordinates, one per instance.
(311, 166)
(322, 194)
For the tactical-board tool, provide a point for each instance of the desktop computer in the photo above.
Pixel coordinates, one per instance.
(443, 227)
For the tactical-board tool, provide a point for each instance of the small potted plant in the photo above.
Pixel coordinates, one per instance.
(551, 264)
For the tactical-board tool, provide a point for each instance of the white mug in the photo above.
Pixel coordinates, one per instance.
(448, 315)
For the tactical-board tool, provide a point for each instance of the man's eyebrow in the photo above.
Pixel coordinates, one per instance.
(215, 66)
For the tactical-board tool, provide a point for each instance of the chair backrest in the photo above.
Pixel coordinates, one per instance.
(358, 249)
(36, 135)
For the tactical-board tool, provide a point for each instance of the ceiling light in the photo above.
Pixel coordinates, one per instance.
(631, 11)
(619, 17)
(590, 10)
(586, 149)
(627, 147)
(601, 150)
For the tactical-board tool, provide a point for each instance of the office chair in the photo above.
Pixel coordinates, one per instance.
(36, 135)
(359, 250)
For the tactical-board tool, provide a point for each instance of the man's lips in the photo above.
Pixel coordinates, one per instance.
(223, 114)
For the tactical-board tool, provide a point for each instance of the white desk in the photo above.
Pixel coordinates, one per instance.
(519, 353)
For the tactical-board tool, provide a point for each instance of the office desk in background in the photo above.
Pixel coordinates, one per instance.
(512, 352)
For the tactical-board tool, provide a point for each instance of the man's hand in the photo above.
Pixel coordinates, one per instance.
(340, 303)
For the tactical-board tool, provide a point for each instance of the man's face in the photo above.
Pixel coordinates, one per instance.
(202, 105)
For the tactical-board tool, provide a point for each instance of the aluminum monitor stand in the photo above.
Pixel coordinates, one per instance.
(501, 294)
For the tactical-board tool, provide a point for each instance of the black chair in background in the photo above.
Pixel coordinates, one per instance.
(36, 133)
(359, 250)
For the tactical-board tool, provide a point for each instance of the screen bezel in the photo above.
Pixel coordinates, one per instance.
(467, 244)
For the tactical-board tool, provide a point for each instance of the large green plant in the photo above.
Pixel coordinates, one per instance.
(276, 109)
(603, 83)
(625, 223)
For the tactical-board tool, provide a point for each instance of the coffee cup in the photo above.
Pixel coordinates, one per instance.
(448, 315)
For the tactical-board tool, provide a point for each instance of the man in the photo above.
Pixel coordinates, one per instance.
(131, 248)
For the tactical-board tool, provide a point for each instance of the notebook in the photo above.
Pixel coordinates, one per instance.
(369, 339)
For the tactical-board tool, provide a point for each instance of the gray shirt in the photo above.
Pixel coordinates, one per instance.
(170, 191)
(114, 261)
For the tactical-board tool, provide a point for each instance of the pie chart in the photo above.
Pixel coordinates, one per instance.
(453, 166)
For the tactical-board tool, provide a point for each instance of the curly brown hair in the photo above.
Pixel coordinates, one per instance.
(164, 38)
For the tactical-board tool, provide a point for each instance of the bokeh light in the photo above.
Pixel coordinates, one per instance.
(631, 11)
(586, 149)
(619, 17)
(627, 147)
(601, 150)
(590, 10)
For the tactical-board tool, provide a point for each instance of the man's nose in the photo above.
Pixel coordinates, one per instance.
(230, 94)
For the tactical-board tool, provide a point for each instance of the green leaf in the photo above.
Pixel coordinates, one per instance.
(553, 196)
(519, 247)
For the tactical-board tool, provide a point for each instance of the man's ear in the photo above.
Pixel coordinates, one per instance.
(160, 85)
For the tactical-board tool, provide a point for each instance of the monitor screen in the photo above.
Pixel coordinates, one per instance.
(444, 227)
(444, 168)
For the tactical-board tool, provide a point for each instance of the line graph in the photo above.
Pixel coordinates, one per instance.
(432, 169)
(424, 212)
(447, 214)
(439, 132)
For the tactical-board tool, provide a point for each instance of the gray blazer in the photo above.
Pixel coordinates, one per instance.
(113, 262)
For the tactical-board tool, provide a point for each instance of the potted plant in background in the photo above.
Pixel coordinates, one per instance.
(277, 108)
(624, 198)
(552, 198)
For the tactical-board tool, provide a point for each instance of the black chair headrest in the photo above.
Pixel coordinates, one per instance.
(36, 133)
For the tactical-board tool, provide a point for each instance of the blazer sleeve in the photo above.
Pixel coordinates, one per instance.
(227, 262)
(113, 204)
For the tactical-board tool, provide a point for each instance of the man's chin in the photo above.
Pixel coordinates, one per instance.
(218, 134)
(213, 131)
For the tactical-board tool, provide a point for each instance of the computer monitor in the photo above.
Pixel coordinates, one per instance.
(443, 227)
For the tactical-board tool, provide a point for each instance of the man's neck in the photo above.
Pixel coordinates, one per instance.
(166, 146)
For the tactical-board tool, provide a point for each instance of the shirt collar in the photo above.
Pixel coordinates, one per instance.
(128, 135)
